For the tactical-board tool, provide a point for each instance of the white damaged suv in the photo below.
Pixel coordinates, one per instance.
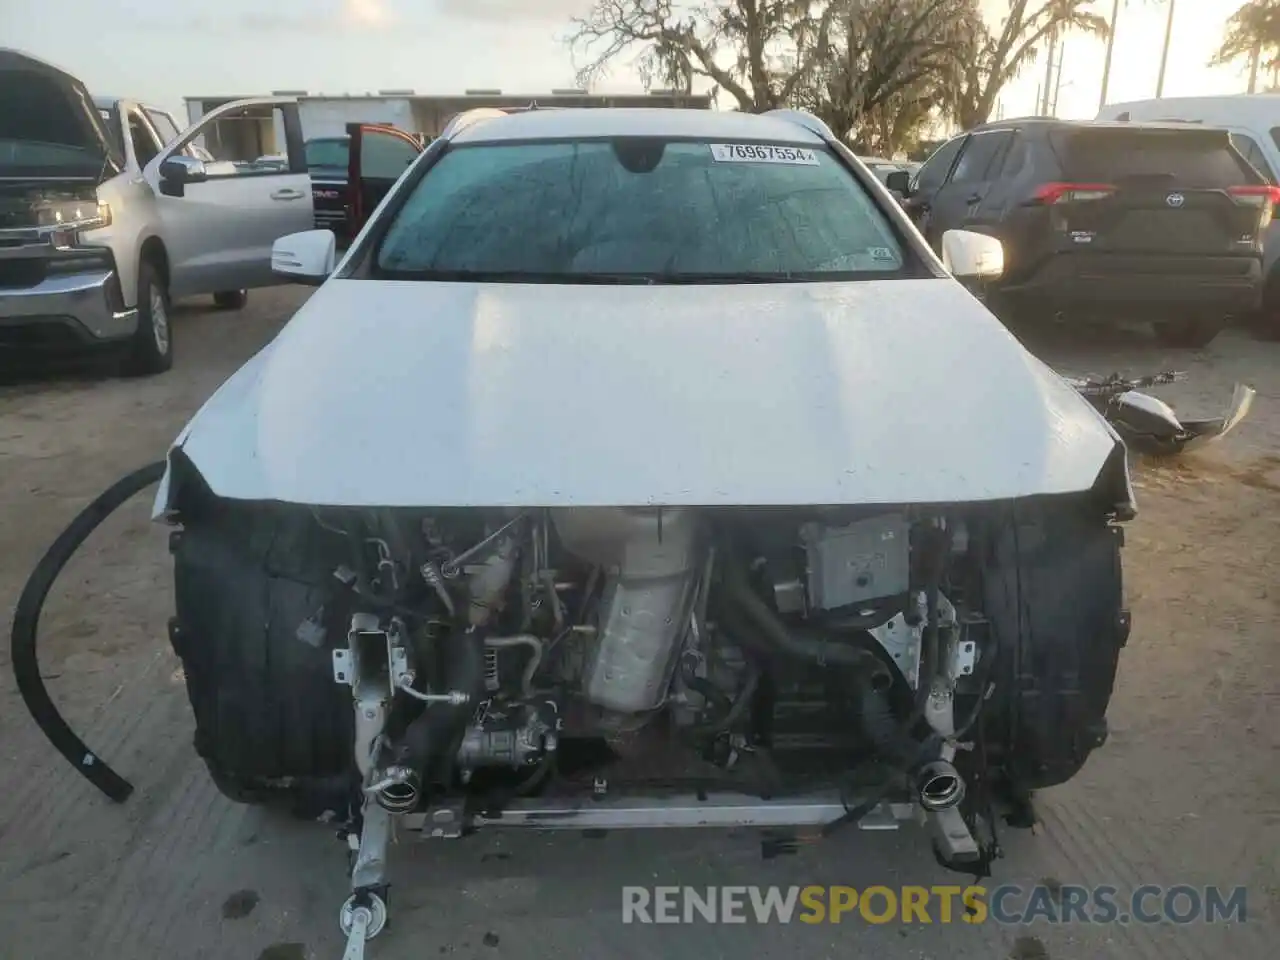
(644, 468)
(107, 213)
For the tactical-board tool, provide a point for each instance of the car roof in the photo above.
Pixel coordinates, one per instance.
(1052, 123)
(636, 122)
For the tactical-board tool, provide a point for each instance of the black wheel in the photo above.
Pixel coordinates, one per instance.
(272, 726)
(1266, 321)
(151, 348)
(231, 299)
(1192, 334)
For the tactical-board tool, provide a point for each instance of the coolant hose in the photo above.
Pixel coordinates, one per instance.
(432, 740)
(776, 635)
(26, 622)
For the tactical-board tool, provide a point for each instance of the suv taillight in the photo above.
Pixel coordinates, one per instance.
(1266, 198)
(1051, 193)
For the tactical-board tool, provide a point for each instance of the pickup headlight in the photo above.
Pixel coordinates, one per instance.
(73, 215)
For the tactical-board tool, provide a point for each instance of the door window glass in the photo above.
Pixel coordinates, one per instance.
(164, 124)
(246, 143)
(934, 172)
(982, 157)
(145, 144)
(384, 156)
(1253, 153)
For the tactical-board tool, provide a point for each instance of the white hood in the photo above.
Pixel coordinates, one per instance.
(453, 394)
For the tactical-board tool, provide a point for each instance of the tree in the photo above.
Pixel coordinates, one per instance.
(881, 67)
(875, 70)
(1002, 54)
(757, 51)
(1253, 32)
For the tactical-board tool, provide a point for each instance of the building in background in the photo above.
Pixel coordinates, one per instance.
(253, 135)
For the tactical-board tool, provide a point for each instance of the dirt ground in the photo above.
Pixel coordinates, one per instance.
(1185, 791)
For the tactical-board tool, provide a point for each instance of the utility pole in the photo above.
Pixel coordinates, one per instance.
(1048, 75)
(1164, 54)
(1111, 44)
(1057, 80)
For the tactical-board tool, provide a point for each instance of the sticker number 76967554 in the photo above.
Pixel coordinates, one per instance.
(762, 153)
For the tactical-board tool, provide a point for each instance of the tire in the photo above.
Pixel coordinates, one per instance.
(231, 299)
(272, 726)
(151, 346)
(1266, 320)
(1191, 334)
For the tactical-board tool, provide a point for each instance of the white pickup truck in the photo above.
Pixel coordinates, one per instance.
(108, 212)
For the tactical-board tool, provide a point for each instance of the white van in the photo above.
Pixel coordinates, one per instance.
(1253, 120)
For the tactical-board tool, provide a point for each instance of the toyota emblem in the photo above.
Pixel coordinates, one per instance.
(1175, 200)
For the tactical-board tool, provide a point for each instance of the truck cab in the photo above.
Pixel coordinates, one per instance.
(108, 212)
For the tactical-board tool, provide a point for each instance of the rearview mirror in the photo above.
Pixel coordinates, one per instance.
(972, 256)
(899, 182)
(307, 258)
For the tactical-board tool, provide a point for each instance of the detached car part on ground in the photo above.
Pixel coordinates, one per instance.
(1147, 424)
(568, 501)
(107, 214)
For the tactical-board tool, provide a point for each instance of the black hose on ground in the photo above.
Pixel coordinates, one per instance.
(26, 623)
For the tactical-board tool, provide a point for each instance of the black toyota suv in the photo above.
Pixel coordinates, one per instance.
(1153, 222)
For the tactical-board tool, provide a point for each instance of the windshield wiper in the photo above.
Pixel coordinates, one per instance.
(695, 278)
(640, 279)
(518, 276)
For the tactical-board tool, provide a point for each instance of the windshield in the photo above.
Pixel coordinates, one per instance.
(33, 153)
(638, 210)
(49, 129)
(1193, 158)
(327, 153)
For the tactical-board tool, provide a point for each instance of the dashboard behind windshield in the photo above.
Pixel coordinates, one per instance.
(641, 210)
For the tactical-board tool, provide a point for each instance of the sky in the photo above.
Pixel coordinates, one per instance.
(153, 50)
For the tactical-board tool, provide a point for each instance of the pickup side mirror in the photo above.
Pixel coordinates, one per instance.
(972, 256)
(899, 182)
(307, 258)
(178, 171)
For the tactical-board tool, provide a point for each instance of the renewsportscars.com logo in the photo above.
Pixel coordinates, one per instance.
(1006, 904)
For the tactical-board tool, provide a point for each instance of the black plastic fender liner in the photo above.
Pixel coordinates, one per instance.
(26, 623)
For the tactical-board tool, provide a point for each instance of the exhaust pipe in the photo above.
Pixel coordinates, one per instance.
(939, 786)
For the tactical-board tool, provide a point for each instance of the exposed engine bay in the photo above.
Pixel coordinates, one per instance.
(675, 645)
(785, 668)
(446, 670)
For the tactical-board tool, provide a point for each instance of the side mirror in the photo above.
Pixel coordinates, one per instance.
(184, 170)
(972, 256)
(178, 171)
(899, 182)
(307, 258)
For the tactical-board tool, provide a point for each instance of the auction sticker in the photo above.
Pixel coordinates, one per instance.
(762, 153)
